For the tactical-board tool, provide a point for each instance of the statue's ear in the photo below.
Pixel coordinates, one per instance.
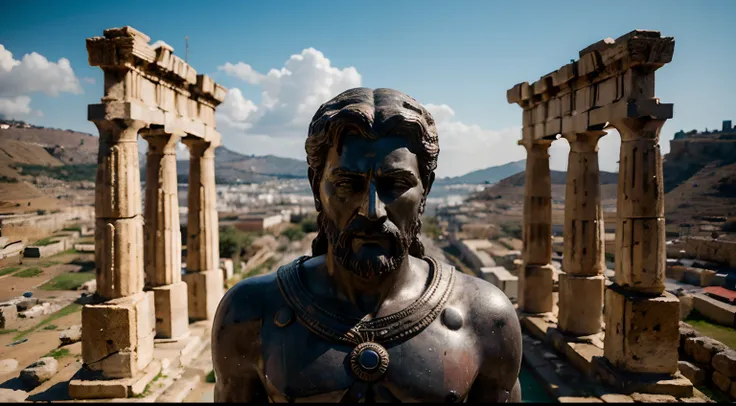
(314, 184)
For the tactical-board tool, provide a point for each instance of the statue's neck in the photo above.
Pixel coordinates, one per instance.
(367, 295)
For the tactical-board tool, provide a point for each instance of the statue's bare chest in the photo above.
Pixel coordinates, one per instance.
(437, 365)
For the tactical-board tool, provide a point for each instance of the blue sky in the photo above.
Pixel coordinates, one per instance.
(459, 57)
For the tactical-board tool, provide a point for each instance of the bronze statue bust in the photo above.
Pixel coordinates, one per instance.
(367, 318)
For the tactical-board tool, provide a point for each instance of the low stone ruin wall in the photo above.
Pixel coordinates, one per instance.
(708, 249)
(707, 362)
(34, 251)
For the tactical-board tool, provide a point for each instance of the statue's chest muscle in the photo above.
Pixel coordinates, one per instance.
(435, 365)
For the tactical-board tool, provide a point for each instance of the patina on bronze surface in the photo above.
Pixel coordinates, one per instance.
(368, 318)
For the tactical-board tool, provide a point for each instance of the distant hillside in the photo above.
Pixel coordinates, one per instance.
(69, 147)
(511, 189)
(232, 167)
(487, 175)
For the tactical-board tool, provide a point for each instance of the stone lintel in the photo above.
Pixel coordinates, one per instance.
(600, 117)
(599, 61)
(173, 124)
(88, 385)
(125, 48)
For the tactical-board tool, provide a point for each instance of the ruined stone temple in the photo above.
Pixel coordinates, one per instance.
(152, 93)
(611, 86)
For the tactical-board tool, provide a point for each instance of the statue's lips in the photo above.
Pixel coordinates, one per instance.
(381, 240)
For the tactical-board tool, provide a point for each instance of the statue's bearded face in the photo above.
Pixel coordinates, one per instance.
(371, 196)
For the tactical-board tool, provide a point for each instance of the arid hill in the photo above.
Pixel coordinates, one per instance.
(511, 189)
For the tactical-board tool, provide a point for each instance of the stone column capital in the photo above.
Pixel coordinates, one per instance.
(160, 141)
(199, 147)
(632, 129)
(585, 141)
(536, 146)
(119, 130)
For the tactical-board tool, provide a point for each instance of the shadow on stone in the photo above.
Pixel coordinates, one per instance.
(14, 384)
(59, 391)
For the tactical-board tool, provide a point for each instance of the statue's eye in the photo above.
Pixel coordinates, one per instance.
(348, 184)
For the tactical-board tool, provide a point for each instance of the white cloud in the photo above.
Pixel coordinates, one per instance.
(242, 71)
(15, 106)
(289, 97)
(88, 80)
(465, 147)
(33, 73)
(291, 94)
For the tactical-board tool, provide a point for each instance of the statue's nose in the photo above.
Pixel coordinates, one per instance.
(372, 206)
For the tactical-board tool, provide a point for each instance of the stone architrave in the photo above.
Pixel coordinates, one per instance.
(582, 285)
(203, 277)
(535, 282)
(641, 318)
(163, 235)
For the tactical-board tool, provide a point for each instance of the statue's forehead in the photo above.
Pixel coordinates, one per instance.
(360, 154)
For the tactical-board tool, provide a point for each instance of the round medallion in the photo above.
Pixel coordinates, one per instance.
(369, 361)
(283, 316)
(452, 318)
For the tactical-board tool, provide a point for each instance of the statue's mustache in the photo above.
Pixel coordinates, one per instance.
(362, 227)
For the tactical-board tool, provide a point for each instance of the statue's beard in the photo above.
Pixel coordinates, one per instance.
(367, 263)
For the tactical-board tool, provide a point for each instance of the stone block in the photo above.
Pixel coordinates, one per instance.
(119, 253)
(641, 254)
(71, 335)
(535, 288)
(725, 363)
(653, 398)
(578, 399)
(695, 374)
(715, 310)
(117, 336)
(97, 389)
(8, 365)
(205, 289)
(616, 398)
(39, 372)
(607, 92)
(172, 311)
(118, 171)
(642, 333)
(702, 349)
(732, 390)
(721, 381)
(8, 316)
(580, 303)
(686, 331)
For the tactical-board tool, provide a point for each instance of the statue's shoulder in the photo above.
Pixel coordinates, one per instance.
(479, 296)
(251, 298)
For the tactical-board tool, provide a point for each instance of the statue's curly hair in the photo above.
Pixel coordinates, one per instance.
(371, 113)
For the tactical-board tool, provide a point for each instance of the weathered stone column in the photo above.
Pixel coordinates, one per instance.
(117, 335)
(582, 283)
(535, 282)
(163, 236)
(203, 277)
(642, 333)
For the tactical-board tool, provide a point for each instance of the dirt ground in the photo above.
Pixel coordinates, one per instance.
(41, 334)
(13, 286)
